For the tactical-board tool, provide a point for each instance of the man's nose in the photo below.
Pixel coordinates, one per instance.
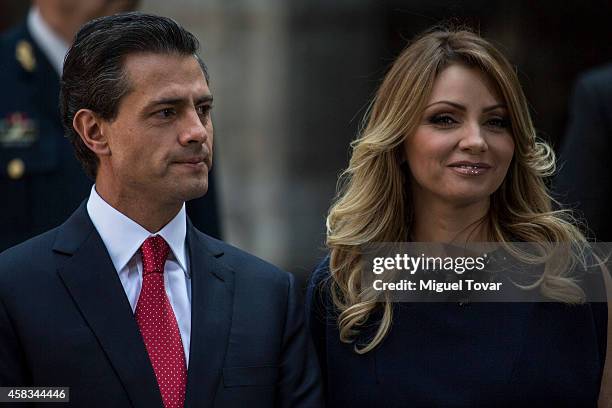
(473, 139)
(192, 128)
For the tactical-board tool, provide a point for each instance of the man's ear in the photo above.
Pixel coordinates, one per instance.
(89, 126)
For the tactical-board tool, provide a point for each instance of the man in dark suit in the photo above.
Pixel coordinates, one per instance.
(127, 303)
(40, 180)
(585, 176)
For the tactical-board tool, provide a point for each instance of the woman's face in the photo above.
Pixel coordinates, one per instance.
(461, 151)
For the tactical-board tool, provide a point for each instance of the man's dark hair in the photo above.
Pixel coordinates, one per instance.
(94, 77)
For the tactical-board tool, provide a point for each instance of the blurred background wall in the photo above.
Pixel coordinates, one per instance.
(291, 80)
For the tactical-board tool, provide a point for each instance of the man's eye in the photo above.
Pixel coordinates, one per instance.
(165, 113)
(442, 120)
(204, 110)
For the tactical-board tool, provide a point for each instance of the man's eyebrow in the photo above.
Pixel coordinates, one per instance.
(177, 101)
(204, 99)
(463, 108)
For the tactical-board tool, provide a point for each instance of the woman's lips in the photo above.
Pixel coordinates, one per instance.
(469, 168)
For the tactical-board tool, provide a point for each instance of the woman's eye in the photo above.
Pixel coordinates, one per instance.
(442, 120)
(501, 123)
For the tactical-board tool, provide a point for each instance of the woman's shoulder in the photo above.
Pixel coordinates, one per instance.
(319, 281)
(591, 272)
(318, 298)
(320, 272)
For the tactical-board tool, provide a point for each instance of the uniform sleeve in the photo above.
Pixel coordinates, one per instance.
(584, 181)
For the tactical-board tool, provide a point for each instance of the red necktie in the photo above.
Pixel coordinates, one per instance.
(158, 325)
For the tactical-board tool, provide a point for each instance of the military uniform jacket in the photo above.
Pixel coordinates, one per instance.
(41, 182)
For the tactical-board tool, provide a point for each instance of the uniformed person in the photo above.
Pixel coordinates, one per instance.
(41, 182)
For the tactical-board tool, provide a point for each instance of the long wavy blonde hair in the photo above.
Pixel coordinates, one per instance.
(373, 203)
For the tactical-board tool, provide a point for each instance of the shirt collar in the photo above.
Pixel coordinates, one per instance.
(52, 45)
(123, 236)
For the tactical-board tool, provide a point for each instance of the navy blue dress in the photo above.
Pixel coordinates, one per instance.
(463, 355)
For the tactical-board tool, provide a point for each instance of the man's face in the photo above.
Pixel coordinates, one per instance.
(162, 138)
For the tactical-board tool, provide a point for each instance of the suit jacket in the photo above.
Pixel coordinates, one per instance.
(41, 182)
(585, 176)
(65, 321)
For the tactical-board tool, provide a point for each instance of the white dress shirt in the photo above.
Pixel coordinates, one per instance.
(52, 45)
(123, 238)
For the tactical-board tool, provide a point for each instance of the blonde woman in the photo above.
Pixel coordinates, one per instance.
(448, 153)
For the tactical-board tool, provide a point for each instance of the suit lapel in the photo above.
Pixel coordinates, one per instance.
(91, 279)
(212, 285)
